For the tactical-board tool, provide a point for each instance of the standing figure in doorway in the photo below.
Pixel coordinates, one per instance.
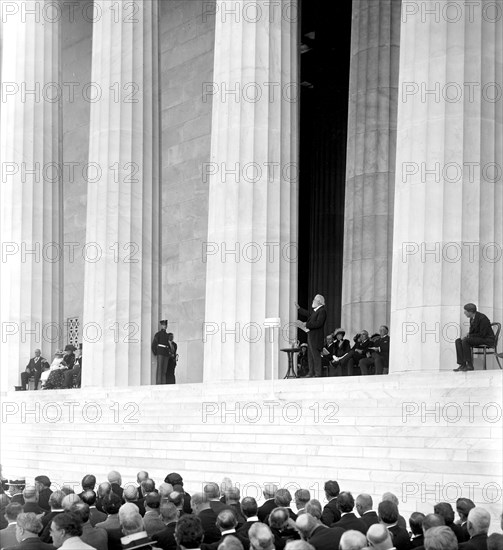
(160, 348)
(315, 328)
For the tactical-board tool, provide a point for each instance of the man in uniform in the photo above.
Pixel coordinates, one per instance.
(160, 348)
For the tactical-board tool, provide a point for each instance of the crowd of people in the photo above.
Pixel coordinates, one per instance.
(142, 515)
(65, 370)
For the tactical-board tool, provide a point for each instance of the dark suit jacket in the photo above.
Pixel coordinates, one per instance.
(43, 499)
(214, 546)
(45, 535)
(326, 538)
(165, 539)
(400, 538)
(477, 542)
(369, 518)
(32, 507)
(350, 521)
(186, 503)
(245, 528)
(330, 513)
(464, 531)
(38, 365)
(264, 510)
(341, 350)
(114, 530)
(480, 327)
(218, 506)
(208, 520)
(316, 325)
(456, 529)
(117, 489)
(95, 516)
(153, 523)
(32, 543)
(416, 542)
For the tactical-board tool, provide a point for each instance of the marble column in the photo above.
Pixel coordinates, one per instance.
(253, 190)
(448, 226)
(30, 190)
(121, 289)
(370, 168)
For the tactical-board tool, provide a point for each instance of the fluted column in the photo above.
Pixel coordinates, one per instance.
(253, 211)
(30, 190)
(370, 168)
(448, 198)
(121, 290)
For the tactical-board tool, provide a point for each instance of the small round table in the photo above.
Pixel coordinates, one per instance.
(291, 370)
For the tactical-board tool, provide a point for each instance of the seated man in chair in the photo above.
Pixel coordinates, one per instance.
(480, 333)
(34, 369)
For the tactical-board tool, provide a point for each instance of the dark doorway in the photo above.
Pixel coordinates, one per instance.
(325, 36)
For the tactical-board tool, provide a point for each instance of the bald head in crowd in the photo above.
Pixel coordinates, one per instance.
(363, 503)
(69, 500)
(226, 520)
(104, 489)
(278, 518)
(306, 524)
(440, 538)
(130, 493)
(379, 537)
(169, 512)
(199, 502)
(478, 521)
(230, 543)
(131, 522)
(30, 494)
(141, 476)
(298, 545)
(165, 489)
(114, 477)
(432, 520)
(261, 537)
(352, 540)
(212, 491)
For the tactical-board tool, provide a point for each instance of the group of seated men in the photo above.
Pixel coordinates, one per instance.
(65, 370)
(368, 355)
(141, 515)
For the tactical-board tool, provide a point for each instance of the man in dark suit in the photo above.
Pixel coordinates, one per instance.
(74, 374)
(318, 535)
(94, 536)
(480, 333)
(28, 527)
(249, 508)
(111, 506)
(175, 478)
(43, 485)
(416, 526)
(130, 494)
(115, 480)
(189, 532)
(445, 510)
(283, 499)
(200, 504)
(388, 515)
(315, 328)
(463, 507)
(429, 522)
(348, 521)
(226, 523)
(440, 538)
(379, 354)
(30, 495)
(379, 538)
(165, 539)
(301, 497)
(231, 499)
(34, 368)
(95, 516)
(152, 519)
(282, 527)
(56, 504)
(359, 351)
(364, 508)
(478, 526)
(161, 351)
(330, 512)
(269, 493)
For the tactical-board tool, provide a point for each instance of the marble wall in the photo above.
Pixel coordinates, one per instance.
(76, 75)
(187, 44)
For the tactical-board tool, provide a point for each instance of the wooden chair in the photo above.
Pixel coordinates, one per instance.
(486, 350)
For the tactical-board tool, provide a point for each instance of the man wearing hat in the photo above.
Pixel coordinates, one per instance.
(160, 348)
(34, 368)
(16, 487)
(74, 374)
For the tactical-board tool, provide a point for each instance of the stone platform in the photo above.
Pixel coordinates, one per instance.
(427, 437)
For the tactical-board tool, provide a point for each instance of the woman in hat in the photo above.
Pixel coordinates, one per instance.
(341, 346)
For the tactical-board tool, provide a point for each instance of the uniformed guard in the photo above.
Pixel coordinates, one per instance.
(160, 348)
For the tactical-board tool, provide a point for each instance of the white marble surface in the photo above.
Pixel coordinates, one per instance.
(370, 169)
(121, 290)
(31, 284)
(241, 212)
(435, 212)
